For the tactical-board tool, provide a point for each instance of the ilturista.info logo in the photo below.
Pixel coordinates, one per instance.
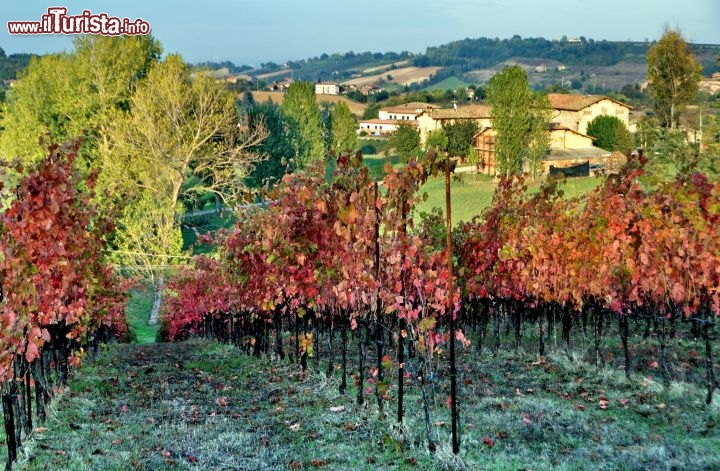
(57, 21)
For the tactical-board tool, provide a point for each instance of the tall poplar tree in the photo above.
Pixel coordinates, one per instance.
(674, 76)
(301, 109)
(520, 120)
(342, 129)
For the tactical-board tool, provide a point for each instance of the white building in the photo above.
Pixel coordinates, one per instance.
(327, 88)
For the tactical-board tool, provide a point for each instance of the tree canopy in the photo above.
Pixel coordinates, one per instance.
(406, 141)
(674, 76)
(520, 121)
(303, 113)
(610, 134)
(342, 129)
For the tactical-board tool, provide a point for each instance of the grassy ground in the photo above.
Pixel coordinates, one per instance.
(138, 312)
(194, 225)
(376, 164)
(202, 405)
(450, 83)
(473, 193)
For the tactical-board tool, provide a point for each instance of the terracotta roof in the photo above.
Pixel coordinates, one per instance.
(463, 112)
(389, 121)
(409, 108)
(571, 102)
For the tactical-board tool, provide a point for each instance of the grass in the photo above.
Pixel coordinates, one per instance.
(376, 164)
(203, 405)
(138, 311)
(450, 83)
(471, 194)
(194, 225)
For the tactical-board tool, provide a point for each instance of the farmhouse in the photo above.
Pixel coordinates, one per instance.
(369, 90)
(567, 148)
(576, 111)
(408, 111)
(433, 119)
(390, 117)
(382, 127)
(327, 88)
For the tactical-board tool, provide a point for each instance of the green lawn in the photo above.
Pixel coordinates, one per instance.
(471, 194)
(138, 312)
(376, 164)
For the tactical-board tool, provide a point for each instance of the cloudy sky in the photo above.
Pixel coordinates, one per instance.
(254, 31)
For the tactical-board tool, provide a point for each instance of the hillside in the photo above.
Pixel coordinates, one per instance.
(402, 76)
(595, 65)
(277, 98)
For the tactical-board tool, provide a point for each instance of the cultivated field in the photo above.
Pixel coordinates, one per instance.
(277, 73)
(382, 68)
(277, 97)
(403, 76)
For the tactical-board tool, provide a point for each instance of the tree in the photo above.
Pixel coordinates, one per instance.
(436, 140)
(674, 76)
(302, 111)
(520, 120)
(342, 129)
(406, 140)
(610, 134)
(65, 96)
(276, 150)
(460, 137)
(177, 127)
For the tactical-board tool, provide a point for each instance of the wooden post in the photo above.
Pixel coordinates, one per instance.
(450, 308)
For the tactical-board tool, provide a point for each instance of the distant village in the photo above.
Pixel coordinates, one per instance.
(570, 115)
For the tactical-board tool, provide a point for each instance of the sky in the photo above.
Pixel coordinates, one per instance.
(255, 31)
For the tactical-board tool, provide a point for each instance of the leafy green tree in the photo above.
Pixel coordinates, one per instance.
(65, 96)
(406, 141)
(371, 111)
(674, 76)
(176, 128)
(276, 150)
(610, 134)
(520, 120)
(437, 140)
(302, 111)
(460, 137)
(342, 129)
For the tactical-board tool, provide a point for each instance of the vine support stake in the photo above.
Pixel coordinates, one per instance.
(449, 308)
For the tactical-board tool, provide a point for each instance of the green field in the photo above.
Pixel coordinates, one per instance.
(450, 83)
(471, 194)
